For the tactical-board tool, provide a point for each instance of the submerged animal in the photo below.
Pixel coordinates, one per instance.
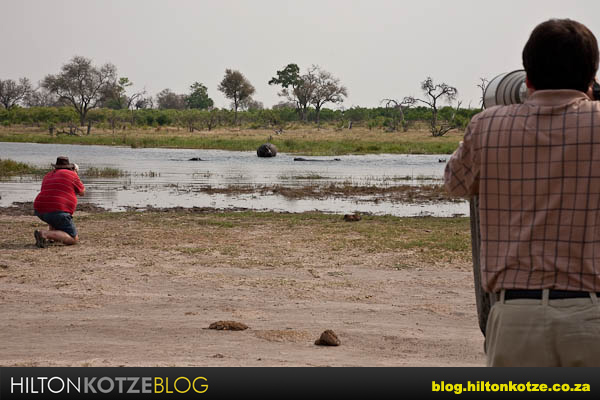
(266, 150)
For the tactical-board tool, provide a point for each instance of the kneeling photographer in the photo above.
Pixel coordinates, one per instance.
(535, 168)
(56, 203)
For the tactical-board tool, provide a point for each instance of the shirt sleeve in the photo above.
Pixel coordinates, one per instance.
(78, 184)
(461, 177)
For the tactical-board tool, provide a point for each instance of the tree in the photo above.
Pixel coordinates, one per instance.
(143, 103)
(327, 89)
(81, 84)
(236, 87)
(198, 97)
(11, 92)
(401, 107)
(116, 97)
(191, 118)
(42, 98)
(284, 105)
(166, 99)
(434, 94)
(249, 104)
(296, 88)
(288, 76)
(482, 85)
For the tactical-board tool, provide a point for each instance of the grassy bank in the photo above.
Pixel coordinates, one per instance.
(431, 239)
(106, 172)
(303, 141)
(10, 168)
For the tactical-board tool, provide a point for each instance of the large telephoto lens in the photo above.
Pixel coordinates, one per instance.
(504, 89)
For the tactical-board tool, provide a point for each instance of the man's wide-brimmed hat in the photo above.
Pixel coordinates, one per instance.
(63, 162)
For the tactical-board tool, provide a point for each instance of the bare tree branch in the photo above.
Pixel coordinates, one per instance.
(401, 106)
(327, 89)
(482, 85)
(434, 94)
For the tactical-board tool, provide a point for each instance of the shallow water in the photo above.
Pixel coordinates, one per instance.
(166, 178)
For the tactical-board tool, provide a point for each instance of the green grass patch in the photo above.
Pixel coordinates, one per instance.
(107, 172)
(10, 168)
(300, 146)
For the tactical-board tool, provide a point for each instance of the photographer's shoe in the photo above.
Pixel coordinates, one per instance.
(40, 241)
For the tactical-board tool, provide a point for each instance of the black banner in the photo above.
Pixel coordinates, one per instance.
(202, 383)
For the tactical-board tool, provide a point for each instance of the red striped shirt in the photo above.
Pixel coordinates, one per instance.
(59, 189)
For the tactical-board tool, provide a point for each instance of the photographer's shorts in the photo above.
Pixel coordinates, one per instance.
(59, 220)
(544, 332)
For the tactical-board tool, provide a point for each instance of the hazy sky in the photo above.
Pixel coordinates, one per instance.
(377, 48)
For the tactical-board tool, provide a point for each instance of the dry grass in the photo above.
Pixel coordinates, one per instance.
(399, 193)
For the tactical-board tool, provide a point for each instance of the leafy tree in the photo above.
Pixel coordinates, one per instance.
(166, 100)
(296, 88)
(288, 76)
(163, 119)
(81, 84)
(284, 104)
(211, 118)
(317, 87)
(198, 97)
(116, 97)
(249, 104)
(11, 92)
(236, 87)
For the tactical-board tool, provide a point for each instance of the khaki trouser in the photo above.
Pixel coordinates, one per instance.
(544, 333)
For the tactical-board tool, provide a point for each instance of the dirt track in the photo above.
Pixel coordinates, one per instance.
(141, 289)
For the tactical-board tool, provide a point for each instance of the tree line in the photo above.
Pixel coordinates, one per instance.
(94, 95)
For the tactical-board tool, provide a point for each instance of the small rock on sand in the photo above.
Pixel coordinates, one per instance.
(352, 217)
(228, 326)
(328, 338)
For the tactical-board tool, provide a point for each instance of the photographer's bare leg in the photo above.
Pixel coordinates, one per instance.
(60, 236)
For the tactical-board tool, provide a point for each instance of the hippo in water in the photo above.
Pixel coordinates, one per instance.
(267, 150)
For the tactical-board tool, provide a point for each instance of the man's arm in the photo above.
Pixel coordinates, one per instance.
(461, 177)
(79, 188)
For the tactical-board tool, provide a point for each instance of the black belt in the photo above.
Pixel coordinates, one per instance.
(537, 294)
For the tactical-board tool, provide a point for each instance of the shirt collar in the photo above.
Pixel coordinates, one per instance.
(555, 97)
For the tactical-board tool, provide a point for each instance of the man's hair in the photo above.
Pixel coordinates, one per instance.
(561, 54)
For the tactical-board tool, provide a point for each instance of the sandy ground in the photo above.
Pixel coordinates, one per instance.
(141, 289)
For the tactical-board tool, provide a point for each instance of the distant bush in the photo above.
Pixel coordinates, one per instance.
(193, 119)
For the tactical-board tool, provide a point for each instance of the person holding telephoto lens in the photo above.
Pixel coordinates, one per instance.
(535, 167)
(56, 203)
